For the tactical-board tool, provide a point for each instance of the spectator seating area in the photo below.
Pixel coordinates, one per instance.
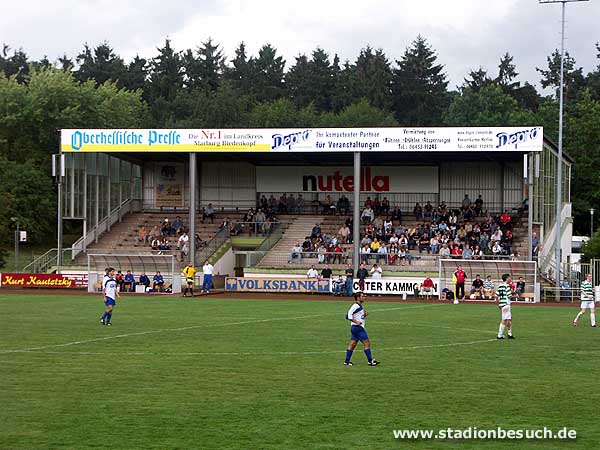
(125, 237)
(413, 241)
(396, 240)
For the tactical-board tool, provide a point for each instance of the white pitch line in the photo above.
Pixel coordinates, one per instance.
(192, 327)
(413, 347)
(435, 326)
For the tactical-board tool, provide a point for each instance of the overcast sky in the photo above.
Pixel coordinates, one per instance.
(466, 34)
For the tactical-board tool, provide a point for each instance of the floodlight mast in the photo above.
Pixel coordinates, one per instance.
(560, 143)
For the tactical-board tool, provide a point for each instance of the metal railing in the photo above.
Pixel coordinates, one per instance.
(204, 253)
(282, 259)
(45, 262)
(104, 225)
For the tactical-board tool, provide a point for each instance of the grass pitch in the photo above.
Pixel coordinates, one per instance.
(210, 373)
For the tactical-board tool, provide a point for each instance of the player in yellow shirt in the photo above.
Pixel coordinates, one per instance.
(189, 272)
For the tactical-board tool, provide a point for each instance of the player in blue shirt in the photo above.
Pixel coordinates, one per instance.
(357, 314)
(109, 289)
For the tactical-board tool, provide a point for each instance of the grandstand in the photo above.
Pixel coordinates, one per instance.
(114, 190)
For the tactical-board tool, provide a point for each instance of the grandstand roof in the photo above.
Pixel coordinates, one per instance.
(324, 159)
(334, 159)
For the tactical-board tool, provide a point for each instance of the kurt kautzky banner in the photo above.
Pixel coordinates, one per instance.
(290, 140)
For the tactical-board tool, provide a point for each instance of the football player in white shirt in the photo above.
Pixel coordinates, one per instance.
(356, 315)
(109, 290)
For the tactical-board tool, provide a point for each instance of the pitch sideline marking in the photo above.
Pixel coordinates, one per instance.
(191, 327)
(413, 347)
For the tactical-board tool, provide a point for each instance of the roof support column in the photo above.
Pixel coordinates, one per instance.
(192, 217)
(356, 213)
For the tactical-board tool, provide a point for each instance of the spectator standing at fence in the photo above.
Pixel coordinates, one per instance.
(587, 300)
(207, 271)
(349, 272)
(326, 272)
(312, 273)
(460, 276)
(362, 273)
(376, 272)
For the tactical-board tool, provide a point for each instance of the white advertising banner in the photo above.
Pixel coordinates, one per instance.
(341, 179)
(393, 286)
(288, 140)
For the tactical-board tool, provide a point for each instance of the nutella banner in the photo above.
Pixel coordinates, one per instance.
(421, 179)
(44, 280)
(290, 140)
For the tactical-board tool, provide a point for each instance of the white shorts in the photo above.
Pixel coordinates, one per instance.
(585, 304)
(506, 314)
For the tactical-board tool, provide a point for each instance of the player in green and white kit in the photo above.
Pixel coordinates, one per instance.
(587, 300)
(503, 294)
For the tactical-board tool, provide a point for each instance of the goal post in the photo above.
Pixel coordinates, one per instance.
(494, 268)
(138, 264)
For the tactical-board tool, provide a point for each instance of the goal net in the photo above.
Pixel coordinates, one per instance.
(526, 270)
(138, 264)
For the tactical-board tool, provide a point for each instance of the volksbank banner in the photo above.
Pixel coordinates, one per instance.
(233, 284)
(287, 140)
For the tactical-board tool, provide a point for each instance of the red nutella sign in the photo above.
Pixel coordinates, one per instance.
(337, 182)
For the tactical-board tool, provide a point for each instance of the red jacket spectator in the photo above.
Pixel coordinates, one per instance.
(428, 283)
(460, 275)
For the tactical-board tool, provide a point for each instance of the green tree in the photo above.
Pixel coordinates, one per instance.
(136, 75)
(582, 142)
(100, 64)
(226, 107)
(573, 77)
(488, 107)
(30, 115)
(312, 81)
(203, 67)
(373, 78)
(476, 80)
(166, 74)
(240, 71)
(282, 113)
(420, 86)
(15, 64)
(268, 74)
(359, 114)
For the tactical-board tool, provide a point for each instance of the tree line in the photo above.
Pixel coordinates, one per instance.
(200, 88)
